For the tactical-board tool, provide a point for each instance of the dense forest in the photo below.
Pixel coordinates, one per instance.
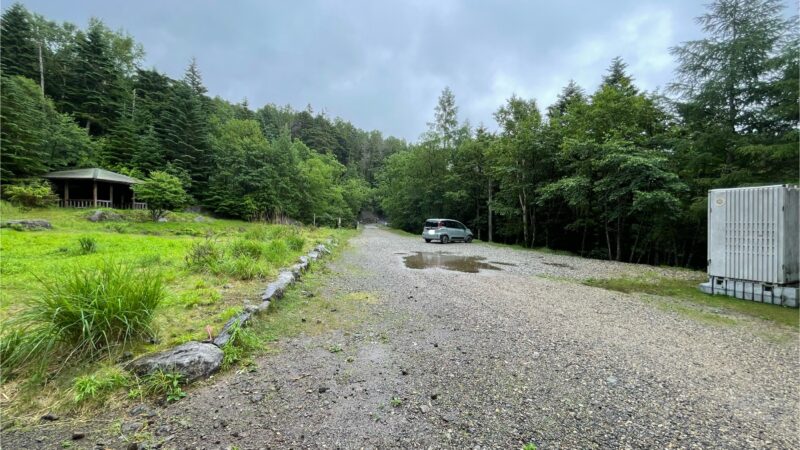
(75, 97)
(617, 172)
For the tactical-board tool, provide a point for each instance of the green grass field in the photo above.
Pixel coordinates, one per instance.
(197, 296)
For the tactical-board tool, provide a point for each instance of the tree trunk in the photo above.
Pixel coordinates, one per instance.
(524, 218)
(633, 247)
(583, 239)
(533, 226)
(608, 242)
(489, 204)
(619, 239)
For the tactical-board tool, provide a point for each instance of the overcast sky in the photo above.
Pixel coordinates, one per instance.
(381, 65)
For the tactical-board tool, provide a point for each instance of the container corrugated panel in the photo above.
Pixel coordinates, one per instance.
(753, 234)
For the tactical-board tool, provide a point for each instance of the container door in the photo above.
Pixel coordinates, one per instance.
(717, 204)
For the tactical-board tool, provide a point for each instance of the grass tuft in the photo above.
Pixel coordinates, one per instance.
(88, 244)
(83, 313)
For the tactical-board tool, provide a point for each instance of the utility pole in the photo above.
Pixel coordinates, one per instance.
(41, 67)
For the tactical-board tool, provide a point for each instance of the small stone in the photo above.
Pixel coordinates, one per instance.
(611, 380)
(78, 435)
(125, 356)
(436, 345)
(50, 417)
(141, 410)
(319, 321)
(322, 389)
(334, 309)
(434, 396)
(424, 409)
(256, 398)
(227, 286)
(133, 446)
(131, 427)
(302, 319)
(403, 372)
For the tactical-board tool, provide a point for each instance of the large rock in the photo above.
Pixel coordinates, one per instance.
(279, 286)
(102, 216)
(27, 224)
(193, 360)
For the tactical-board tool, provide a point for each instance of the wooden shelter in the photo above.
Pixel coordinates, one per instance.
(90, 188)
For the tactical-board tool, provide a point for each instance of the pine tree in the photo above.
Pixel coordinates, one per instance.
(723, 77)
(19, 54)
(445, 120)
(194, 79)
(24, 133)
(96, 91)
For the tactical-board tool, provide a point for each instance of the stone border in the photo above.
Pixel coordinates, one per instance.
(196, 360)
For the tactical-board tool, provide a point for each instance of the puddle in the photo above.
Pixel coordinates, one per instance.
(429, 260)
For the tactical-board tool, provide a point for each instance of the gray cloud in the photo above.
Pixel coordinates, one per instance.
(382, 65)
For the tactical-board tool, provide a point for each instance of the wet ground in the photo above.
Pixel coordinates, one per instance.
(447, 261)
(486, 359)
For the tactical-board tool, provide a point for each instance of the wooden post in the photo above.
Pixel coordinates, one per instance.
(111, 194)
(94, 193)
(66, 193)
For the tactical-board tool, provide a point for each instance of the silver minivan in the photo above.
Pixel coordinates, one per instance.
(445, 230)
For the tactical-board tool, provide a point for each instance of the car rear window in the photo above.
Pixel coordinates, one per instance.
(431, 224)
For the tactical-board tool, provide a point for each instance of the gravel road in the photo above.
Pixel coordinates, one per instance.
(498, 359)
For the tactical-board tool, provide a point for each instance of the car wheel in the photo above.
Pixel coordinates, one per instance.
(427, 241)
(468, 239)
(445, 239)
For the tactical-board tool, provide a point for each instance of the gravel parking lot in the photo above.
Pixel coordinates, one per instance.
(498, 358)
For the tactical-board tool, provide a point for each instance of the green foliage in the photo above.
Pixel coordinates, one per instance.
(97, 386)
(34, 193)
(162, 192)
(162, 384)
(88, 244)
(243, 342)
(243, 258)
(529, 446)
(83, 313)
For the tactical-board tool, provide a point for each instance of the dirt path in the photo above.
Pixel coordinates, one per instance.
(497, 359)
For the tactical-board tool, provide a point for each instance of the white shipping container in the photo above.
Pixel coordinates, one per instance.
(753, 234)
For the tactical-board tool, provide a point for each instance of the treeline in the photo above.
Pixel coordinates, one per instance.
(75, 97)
(618, 173)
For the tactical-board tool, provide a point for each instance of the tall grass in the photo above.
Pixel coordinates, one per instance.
(82, 314)
(255, 255)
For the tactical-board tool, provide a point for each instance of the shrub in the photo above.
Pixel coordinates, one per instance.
(34, 193)
(162, 192)
(85, 312)
(204, 256)
(88, 244)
